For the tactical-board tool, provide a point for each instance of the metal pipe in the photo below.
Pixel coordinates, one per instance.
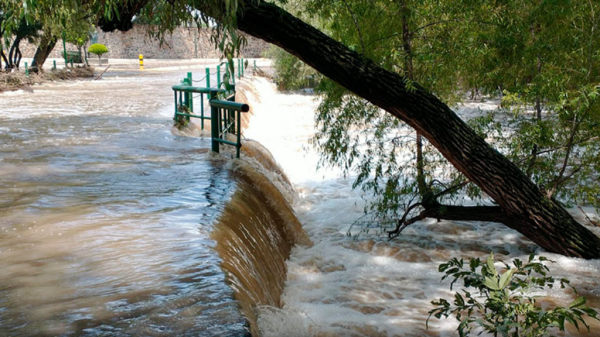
(188, 88)
(243, 107)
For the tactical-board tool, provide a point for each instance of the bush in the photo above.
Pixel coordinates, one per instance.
(98, 49)
(74, 56)
(501, 303)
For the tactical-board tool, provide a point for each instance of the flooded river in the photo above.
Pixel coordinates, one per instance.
(105, 215)
(110, 225)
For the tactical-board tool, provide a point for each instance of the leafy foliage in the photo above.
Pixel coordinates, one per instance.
(291, 73)
(98, 49)
(502, 303)
(540, 58)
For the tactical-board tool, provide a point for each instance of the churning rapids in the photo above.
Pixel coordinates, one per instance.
(111, 225)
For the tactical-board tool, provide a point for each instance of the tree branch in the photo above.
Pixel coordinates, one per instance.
(362, 42)
(456, 213)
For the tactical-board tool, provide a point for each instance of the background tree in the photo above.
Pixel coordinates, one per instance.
(545, 61)
(24, 31)
(61, 19)
(99, 50)
(2, 31)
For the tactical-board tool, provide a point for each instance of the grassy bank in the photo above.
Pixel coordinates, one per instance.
(17, 80)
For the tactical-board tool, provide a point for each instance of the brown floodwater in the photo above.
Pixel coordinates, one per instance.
(105, 216)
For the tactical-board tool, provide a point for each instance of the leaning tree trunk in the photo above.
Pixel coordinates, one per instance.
(44, 49)
(527, 210)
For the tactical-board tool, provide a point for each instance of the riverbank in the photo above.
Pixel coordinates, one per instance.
(20, 81)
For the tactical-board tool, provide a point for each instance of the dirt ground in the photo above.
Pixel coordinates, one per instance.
(19, 81)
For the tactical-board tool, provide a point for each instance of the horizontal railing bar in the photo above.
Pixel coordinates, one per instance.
(202, 90)
(227, 142)
(190, 115)
(243, 107)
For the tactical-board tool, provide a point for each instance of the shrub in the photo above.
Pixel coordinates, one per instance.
(98, 49)
(74, 56)
(501, 303)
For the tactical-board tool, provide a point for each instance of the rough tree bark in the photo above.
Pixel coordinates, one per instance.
(42, 52)
(523, 207)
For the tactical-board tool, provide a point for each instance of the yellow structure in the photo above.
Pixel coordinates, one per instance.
(141, 62)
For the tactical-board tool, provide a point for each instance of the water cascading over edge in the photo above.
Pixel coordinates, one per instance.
(256, 231)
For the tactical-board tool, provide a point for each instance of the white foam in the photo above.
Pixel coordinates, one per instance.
(369, 285)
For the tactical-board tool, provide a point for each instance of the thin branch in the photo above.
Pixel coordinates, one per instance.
(362, 42)
(402, 223)
(457, 213)
(596, 224)
(451, 188)
(559, 148)
(559, 179)
(453, 20)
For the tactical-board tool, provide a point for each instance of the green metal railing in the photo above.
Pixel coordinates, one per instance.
(228, 121)
(225, 114)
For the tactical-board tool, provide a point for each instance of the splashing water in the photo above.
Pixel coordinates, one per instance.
(367, 285)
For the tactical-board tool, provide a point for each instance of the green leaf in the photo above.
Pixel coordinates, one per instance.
(490, 265)
(491, 283)
(506, 278)
(578, 302)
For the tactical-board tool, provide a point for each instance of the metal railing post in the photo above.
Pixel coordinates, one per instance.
(208, 80)
(239, 134)
(190, 104)
(219, 76)
(175, 115)
(214, 129)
